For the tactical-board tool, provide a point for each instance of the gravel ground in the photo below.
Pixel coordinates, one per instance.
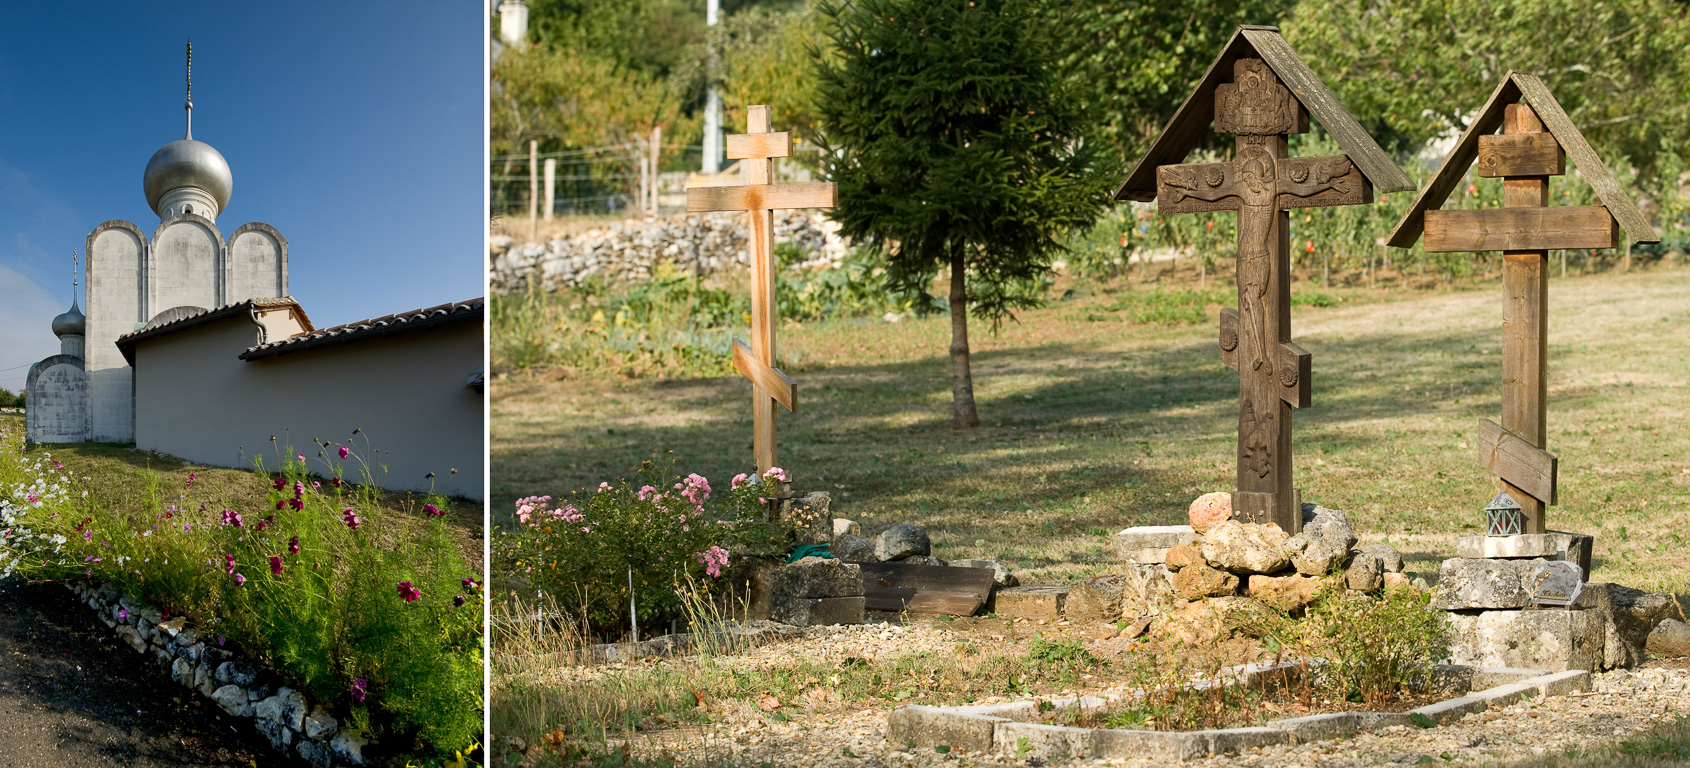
(70, 697)
(826, 732)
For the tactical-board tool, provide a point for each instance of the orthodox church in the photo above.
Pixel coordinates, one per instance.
(192, 346)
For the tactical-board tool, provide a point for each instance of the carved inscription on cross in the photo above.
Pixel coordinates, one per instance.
(759, 198)
(1261, 182)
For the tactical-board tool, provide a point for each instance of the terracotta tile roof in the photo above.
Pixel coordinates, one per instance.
(182, 318)
(400, 322)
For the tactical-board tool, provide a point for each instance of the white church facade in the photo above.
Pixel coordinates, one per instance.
(154, 292)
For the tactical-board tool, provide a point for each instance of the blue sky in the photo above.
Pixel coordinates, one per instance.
(355, 128)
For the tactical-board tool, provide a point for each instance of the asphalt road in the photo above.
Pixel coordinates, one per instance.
(72, 696)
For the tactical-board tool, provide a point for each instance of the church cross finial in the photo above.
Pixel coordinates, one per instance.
(75, 264)
(190, 105)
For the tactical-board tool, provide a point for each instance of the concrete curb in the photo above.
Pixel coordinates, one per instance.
(1005, 729)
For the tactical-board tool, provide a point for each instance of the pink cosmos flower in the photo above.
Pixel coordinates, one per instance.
(232, 518)
(408, 592)
(335, 480)
(351, 518)
(229, 564)
(122, 613)
(301, 458)
(470, 583)
(458, 601)
(276, 565)
(344, 452)
(190, 479)
(240, 581)
(298, 489)
(280, 483)
(432, 511)
(359, 688)
(293, 546)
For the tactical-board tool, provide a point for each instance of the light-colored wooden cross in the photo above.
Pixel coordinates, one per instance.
(1260, 183)
(755, 149)
(1536, 139)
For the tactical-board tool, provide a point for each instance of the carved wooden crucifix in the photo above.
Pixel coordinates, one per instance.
(759, 198)
(1261, 182)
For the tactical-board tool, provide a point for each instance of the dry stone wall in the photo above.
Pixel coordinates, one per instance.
(242, 689)
(629, 251)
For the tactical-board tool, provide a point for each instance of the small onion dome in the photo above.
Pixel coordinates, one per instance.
(188, 163)
(71, 323)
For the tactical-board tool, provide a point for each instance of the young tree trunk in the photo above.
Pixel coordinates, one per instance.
(962, 382)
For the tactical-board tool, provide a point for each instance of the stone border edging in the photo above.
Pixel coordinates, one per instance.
(240, 688)
(997, 727)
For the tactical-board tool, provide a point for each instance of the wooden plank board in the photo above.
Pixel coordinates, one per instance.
(763, 197)
(770, 380)
(1188, 126)
(748, 146)
(1520, 229)
(1620, 204)
(1521, 154)
(1454, 167)
(1519, 463)
(925, 588)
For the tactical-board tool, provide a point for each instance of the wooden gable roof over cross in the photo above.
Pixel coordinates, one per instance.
(1193, 119)
(1519, 87)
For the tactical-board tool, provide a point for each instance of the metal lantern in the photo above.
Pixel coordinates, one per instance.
(1503, 516)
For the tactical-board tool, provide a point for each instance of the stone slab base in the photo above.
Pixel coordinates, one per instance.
(1552, 639)
(816, 611)
(1029, 602)
(1554, 545)
(1149, 543)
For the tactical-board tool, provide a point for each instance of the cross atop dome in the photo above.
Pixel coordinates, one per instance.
(188, 176)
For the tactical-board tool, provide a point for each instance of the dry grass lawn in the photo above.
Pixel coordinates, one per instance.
(1093, 423)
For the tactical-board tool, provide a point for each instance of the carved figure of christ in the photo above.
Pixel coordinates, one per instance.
(1260, 183)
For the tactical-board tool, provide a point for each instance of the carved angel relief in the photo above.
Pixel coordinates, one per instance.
(1258, 442)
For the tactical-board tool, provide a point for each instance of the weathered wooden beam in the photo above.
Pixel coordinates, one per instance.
(1520, 229)
(750, 146)
(770, 380)
(1521, 154)
(1517, 462)
(762, 197)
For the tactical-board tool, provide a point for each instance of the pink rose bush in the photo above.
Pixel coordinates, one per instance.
(670, 531)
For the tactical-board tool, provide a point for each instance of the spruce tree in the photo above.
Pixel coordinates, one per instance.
(959, 142)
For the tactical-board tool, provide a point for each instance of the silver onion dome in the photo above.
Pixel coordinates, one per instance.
(71, 322)
(188, 163)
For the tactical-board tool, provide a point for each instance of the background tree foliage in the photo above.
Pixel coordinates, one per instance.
(958, 143)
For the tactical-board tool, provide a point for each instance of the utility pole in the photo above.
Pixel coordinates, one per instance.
(712, 102)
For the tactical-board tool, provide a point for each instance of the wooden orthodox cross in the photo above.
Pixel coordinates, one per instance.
(1535, 140)
(1261, 182)
(758, 198)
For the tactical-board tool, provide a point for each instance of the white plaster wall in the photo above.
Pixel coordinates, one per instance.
(58, 405)
(257, 264)
(198, 401)
(116, 252)
(186, 257)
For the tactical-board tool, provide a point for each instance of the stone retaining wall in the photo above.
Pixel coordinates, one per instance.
(242, 689)
(629, 251)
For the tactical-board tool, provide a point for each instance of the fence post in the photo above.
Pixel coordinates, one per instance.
(656, 172)
(551, 186)
(533, 190)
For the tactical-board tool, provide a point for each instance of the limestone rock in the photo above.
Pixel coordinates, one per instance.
(841, 526)
(233, 700)
(1195, 582)
(320, 725)
(315, 754)
(1181, 556)
(1147, 591)
(811, 513)
(1204, 622)
(1366, 574)
(1149, 543)
(1209, 509)
(279, 735)
(1616, 652)
(1034, 602)
(1096, 598)
(924, 560)
(1555, 640)
(1388, 556)
(236, 673)
(1323, 544)
(1634, 612)
(293, 708)
(901, 541)
(1395, 580)
(818, 577)
(1670, 638)
(1284, 593)
(854, 549)
(815, 612)
(1465, 583)
(1245, 548)
(347, 748)
(1001, 575)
